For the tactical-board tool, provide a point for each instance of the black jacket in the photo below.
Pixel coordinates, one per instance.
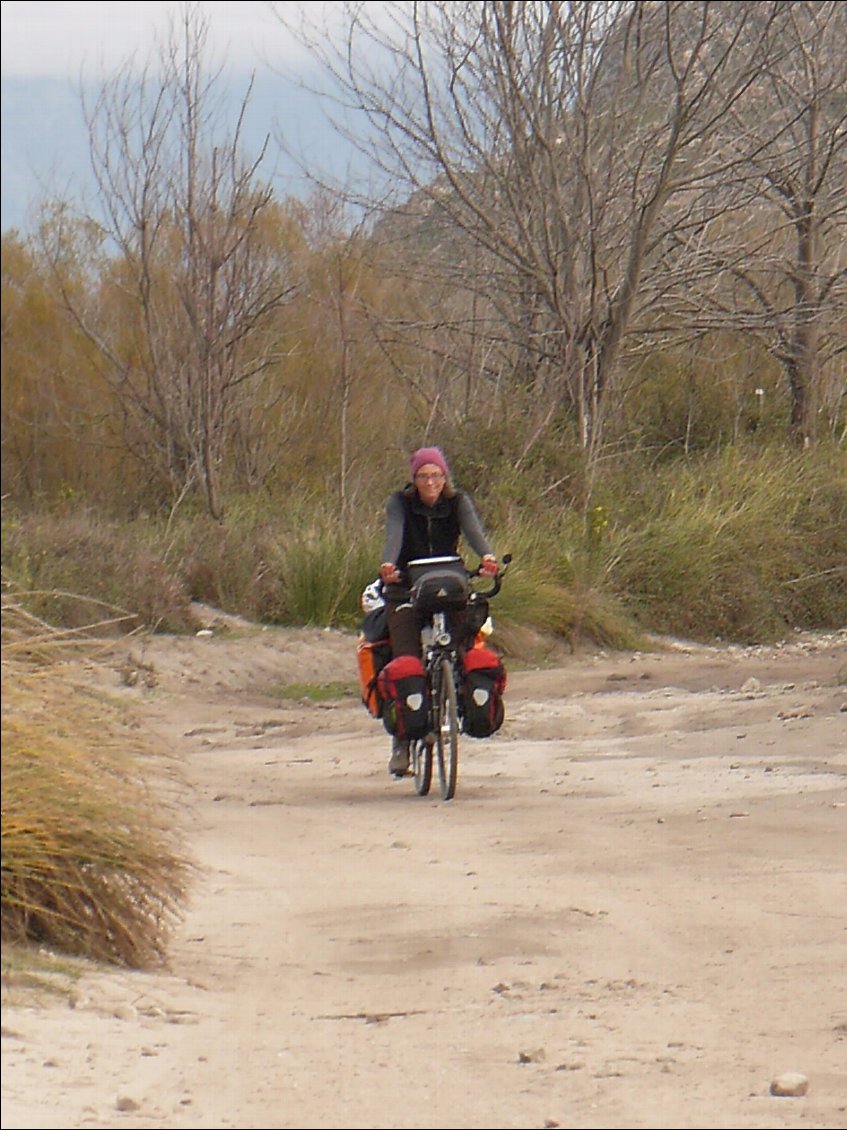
(414, 529)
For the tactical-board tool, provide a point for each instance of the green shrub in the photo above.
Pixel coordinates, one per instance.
(737, 546)
(303, 566)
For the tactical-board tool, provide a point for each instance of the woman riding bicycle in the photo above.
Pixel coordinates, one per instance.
(424, 519)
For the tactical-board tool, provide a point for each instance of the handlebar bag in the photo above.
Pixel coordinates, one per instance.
(483, 684)
(440, 590)
(402, 685)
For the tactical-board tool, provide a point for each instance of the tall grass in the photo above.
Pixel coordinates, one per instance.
(743, 545)
(300, 566)
(81, 570)
(91, 859)
(555, 587)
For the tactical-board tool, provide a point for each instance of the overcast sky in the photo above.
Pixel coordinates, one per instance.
(50, 50)
(84, 40)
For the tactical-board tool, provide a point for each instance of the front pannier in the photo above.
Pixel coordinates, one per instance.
(402, 687)
(483, 684)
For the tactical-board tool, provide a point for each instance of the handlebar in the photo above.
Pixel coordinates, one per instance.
(505, 561)
(498, 576)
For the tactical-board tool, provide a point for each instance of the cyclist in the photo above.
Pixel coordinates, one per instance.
(424, 519)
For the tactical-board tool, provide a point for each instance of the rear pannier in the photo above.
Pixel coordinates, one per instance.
(402, 686)
(483, 685)
(372, 656)
(374, 648)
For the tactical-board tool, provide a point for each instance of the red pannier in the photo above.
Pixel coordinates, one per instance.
(402, 686)
(484, 682)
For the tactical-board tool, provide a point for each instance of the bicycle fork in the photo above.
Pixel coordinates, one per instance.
(439, 648)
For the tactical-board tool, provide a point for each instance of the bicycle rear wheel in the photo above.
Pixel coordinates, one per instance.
(447, 734)
(422, 765)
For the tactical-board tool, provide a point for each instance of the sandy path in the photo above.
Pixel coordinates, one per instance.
(633, 914)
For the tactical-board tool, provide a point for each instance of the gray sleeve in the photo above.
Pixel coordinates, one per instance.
(395, 520)
(471, 527)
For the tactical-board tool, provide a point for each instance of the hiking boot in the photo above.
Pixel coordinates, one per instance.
(398, 766)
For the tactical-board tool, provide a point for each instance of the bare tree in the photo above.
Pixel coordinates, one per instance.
(540, 148)
(770, 261)
(337, 261)
(192, 277)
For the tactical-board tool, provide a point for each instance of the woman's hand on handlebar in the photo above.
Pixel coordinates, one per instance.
(389, 573)
(488, 566)
(495, 570)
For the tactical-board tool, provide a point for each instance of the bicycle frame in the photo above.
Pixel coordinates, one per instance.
(441, 662)
(437, 640)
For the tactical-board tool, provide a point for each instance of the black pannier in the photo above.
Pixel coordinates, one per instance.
(483, 684)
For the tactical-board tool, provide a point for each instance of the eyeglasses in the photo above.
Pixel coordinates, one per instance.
(434, 478)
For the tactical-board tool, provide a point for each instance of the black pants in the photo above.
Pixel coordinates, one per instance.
(405, 623)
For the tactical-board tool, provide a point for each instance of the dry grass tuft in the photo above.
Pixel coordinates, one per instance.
(91, 862)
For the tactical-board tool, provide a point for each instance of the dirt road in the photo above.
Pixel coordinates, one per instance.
(633, 914)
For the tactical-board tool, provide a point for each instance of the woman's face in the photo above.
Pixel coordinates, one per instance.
(430, 480)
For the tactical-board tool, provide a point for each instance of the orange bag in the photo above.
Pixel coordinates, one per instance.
(372, 656)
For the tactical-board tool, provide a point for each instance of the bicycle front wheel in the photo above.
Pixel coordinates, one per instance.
(422, 765)
(447, 734)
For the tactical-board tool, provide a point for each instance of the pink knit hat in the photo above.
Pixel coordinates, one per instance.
(426, 455)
